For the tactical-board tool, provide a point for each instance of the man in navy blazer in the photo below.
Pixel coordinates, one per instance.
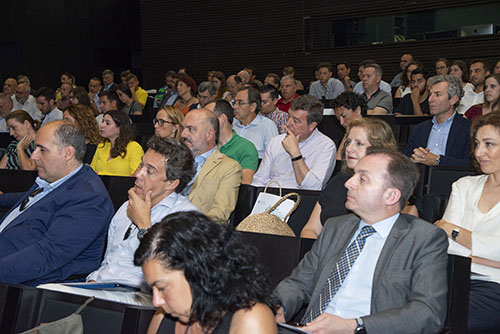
(444, 140)
(57, 229)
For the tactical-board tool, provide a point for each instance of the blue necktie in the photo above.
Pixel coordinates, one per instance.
(338, 275)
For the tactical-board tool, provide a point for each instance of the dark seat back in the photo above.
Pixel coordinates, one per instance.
(440, 178)
(118, 187)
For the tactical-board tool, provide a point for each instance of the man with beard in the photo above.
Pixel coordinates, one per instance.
(214, 188)
(416, 103)
(478, 71)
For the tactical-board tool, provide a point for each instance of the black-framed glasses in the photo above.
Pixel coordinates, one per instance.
(161, 121)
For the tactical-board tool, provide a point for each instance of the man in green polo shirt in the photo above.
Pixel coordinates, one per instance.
(232, 145)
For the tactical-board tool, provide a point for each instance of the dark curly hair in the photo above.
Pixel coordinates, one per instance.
(218, 264)
(179, 161)
(126, 133)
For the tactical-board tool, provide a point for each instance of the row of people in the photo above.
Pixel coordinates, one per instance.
(45, 172)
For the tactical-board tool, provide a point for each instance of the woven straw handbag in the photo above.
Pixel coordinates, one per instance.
(267, 223)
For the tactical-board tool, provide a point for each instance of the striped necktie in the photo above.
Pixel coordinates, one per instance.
(338, 274)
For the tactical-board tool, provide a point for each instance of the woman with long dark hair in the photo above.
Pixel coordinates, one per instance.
(130, 106)
(118, 154)
(205, 275)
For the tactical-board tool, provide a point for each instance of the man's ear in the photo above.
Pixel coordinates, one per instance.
(392, 196)
(172, 184)
(68, 153)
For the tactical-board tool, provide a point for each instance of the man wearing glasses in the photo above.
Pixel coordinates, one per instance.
(206, 93)
(248, 124)
(56, 230)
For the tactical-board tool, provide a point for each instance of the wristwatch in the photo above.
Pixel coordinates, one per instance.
(360, 329)
(455, 233)
(437, 161)
(142, 232)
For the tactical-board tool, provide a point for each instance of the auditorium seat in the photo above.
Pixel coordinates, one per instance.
(27, 307)
(440, 178)
(118, 187)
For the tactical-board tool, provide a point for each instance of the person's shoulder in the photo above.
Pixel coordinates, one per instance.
(418, 227)
(462, 120)
(258, 319)
(470, 181)
(244, 143)
(134, 145)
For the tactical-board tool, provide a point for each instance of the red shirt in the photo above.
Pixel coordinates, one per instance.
(285, 106)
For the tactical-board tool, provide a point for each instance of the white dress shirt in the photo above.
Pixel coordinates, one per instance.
(118, 264)
(470, 99)
(260, 132)
(318, 151)
(29, 106)
(353, 299)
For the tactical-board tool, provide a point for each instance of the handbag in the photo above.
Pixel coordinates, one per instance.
(267, 223)
(71, 324)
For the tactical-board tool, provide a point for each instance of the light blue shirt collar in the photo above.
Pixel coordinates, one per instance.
(51, 186)
(445, 123)
(382, 227)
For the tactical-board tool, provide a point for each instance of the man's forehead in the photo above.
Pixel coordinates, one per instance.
(372, 164)
(298, 113)
(439, 87)
(154, 159)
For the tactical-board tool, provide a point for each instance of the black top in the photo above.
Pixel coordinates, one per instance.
(333, 196)
(405, 107)
(89, 153)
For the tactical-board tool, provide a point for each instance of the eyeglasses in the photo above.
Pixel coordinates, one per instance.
(240, 103)
(161, 121)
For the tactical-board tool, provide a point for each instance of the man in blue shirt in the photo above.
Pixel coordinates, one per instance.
(444, 140)
(56, 230)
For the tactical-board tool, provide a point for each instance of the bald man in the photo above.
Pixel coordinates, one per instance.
(214, 188)
(9, 86)
(22, 100)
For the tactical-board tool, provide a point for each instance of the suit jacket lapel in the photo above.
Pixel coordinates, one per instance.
(399, 229)
(212, 162)
(453, 135)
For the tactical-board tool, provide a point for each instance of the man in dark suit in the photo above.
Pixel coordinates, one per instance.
(444, 140)
(56, 230)
(378, 271)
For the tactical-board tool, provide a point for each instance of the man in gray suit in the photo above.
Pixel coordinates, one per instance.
(378, 271)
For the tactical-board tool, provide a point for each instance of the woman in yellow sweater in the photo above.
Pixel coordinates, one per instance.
(117, 154)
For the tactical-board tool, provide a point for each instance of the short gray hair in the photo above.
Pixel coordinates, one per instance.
(207, 85)
(454, 86)
(288, 77)
(378, 69)
(68, 134)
